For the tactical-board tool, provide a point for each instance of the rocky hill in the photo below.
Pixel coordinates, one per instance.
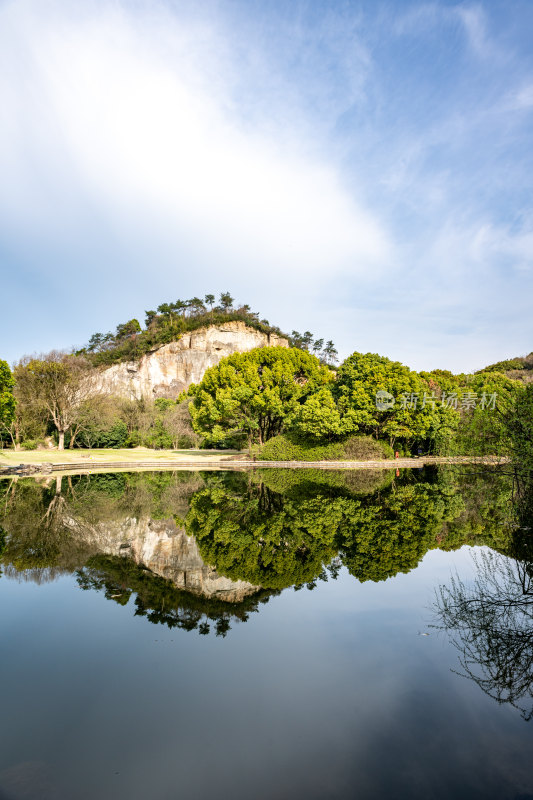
(171, 368)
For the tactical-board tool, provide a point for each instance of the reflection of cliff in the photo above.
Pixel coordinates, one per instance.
(268, 529)
(118, 534)
(164, 549)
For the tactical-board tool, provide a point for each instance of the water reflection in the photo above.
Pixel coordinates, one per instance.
(200, 551)
(490, 619)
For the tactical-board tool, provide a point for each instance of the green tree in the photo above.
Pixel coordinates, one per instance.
(359, 379)
(319, 418)
(55, 387)
(7, 399)
(226, 300)
(127, 329)
(518, 422)
(252, 396)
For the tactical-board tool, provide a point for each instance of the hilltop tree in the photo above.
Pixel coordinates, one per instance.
(209, 300)
(127, 329)
(330, 352)
(226, 300)
(149, 317)
(307, 340)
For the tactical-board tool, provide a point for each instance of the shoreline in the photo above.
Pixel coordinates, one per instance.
(231, 462)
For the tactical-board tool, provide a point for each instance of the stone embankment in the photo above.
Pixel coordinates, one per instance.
(240, 463)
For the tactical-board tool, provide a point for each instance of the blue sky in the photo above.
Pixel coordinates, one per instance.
(359, 169)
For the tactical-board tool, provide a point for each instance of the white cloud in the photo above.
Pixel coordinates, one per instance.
(127, 115)
(285, 158)
(520, 99)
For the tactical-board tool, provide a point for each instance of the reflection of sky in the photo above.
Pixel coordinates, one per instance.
(324, 693)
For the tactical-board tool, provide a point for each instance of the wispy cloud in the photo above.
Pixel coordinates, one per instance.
(122, 113)
(362, 172)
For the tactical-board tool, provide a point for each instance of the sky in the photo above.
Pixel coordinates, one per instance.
(362, 170)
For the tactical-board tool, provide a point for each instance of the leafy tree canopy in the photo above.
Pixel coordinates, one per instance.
(252, 396)
(359, 379)
(7, 400)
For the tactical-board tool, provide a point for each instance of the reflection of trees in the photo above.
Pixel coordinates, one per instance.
(44, 537)
(3, 537)
(488, 508)
(285, 537)
(272, 528)
(491, 624)
(490, 621)
(259, 536)
(392, 533)
(37, 541)
(160, 601)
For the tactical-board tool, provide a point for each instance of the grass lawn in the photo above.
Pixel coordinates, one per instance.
(134, 455)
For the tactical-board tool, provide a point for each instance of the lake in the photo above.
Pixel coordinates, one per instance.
(267, 634)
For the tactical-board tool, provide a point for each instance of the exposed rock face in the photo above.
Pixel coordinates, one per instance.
(172, 368)
(165, 550)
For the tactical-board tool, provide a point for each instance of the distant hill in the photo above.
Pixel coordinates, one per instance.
(519, 368)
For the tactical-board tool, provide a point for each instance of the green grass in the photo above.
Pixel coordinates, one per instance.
(10, 457)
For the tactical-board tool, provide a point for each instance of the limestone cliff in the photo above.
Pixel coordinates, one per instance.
(171, 368)
(164, 549)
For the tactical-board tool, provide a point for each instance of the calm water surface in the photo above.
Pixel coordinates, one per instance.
(276, 635)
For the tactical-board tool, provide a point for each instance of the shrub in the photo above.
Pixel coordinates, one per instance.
(365, 448)
(356, 448)
(282, 448)
(34, 444)
(113, 436)
(158, 436)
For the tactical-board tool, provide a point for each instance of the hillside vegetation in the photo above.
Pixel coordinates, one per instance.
(520, 368)
(278, 402)
(131, 341)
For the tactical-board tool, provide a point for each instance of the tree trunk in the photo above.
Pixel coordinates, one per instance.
(16, 440)
(61, 442)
